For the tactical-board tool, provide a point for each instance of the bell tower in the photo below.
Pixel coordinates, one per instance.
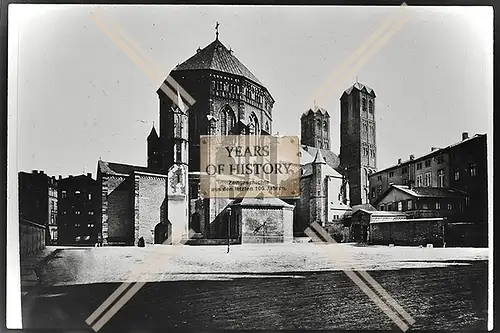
(315, 128)
(358, 149)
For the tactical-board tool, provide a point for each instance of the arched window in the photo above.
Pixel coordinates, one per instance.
(178, 125)
(227, 121)
(253, 125)
(325, 125)
(370, 106)
(223, 122)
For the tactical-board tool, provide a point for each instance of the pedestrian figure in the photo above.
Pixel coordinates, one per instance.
(140, 243)
(99, 239)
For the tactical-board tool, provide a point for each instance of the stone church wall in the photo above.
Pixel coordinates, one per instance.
(120, 212)
(302, 207)
(150, 200)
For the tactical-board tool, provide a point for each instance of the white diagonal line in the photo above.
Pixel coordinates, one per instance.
(383, 306)
(124, 286)
(369, 279)
(374, 42)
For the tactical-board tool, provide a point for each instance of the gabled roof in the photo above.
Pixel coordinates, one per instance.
(319, 159)
(360, 87)
(364, 207)
(314, 110)
(120, 169)
(423, 192)
(308, 153)
(217, 57)
(430, 192)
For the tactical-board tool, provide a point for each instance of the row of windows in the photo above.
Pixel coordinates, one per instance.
(426, 179)
(405, 205)
(367, 151)
(325, 124)
(78, 212)
(427, 163)
(370, 105)
(89, 225)
(472, 171)
(77, 193)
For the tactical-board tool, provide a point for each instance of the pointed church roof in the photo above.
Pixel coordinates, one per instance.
(153, 134)
(360, 87)
(314, 110)
(319, 159)
(216, 56)
(308, 153)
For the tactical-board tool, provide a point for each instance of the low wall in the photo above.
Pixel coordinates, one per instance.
(31, 238)
(465, 234)
(408, 232)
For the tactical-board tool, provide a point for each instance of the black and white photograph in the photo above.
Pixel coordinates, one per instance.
(381, 210)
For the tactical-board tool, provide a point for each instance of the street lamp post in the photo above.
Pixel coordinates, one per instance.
(228, 227)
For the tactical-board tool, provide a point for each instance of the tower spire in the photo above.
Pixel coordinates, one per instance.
(217, 30)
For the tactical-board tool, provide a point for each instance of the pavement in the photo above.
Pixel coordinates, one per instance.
(30, 267)
(85, 265)
(258, 287)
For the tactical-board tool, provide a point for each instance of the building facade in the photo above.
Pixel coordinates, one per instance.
(358, 148)
(226, 99)
(38, 201)
(78, 210)
(324, 190)
(52, 218)
(461, 167)
(315, 128)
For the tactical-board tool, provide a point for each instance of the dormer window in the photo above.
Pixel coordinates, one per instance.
(363, 103)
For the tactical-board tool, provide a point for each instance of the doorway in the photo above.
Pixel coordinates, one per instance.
(162, 232)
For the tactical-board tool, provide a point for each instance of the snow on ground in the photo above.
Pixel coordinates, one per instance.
(79, 265)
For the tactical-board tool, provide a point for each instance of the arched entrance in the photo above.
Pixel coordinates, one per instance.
(162, 232)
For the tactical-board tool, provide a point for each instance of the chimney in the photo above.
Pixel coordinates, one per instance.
(35, 171)
(412, 157)
(89, 174)
(60, 177)
(399, 161)
(465, 135)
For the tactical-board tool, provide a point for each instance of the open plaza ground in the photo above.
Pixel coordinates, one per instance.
(275, 286)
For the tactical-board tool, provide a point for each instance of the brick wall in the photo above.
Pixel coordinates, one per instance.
(150, 196)
(120, 210)
(31, 238)
(409, 232)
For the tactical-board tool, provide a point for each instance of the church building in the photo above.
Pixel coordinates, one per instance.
(161, 203)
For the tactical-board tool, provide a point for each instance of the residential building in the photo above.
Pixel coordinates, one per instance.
(461, 166)
(37, 202)
(52, 218)
(78, 210)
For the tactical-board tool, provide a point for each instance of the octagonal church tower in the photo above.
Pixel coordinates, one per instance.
(228, 99)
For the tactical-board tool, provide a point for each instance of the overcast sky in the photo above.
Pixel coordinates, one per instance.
(81, 97)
